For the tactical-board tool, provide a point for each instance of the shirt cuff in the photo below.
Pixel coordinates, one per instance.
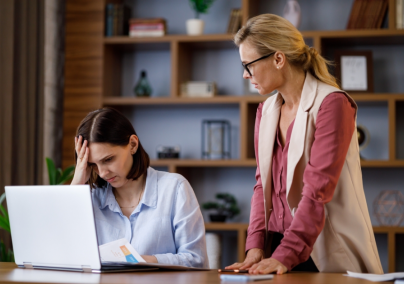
(164, 258)
(255, 240)
(289, 257)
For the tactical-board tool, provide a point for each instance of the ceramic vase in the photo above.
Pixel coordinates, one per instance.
(292, 12)
(195, 26)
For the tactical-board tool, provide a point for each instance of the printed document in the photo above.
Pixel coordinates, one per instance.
(376, 277)
(119, 251)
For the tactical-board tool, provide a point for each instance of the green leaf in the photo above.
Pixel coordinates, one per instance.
(58, 175)
(4, 224)
(51, 171)
(66, 175)
(2, 197)
(4, 212)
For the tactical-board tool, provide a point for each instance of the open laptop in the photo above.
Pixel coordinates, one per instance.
(52, 227)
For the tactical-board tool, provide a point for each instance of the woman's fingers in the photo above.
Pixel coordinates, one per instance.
(236, 265)
(78, 143)
(82, 151)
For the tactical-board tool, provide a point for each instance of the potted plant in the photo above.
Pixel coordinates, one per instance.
(195, 26)
(226, 207)
(56, 175)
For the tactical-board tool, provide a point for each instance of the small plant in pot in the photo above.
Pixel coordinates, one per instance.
(226, 207)
(195, 26)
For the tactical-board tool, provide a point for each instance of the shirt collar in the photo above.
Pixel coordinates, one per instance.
(149, 197)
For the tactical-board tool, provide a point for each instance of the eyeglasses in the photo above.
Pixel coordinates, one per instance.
(246, 65)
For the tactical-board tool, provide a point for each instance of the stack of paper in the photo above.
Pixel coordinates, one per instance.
(376, 277)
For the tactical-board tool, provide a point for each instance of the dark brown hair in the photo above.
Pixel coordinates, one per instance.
(107, 125)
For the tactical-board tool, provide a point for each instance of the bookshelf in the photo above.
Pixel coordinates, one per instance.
(95, 77)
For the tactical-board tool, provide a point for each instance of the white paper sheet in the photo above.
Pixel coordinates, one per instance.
(376, 277)
(119, 251)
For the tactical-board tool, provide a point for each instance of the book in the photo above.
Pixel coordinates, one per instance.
(399, 14)
(147, 27)
(382, 13)
(109, 14)
(116, 19)
(355, 11)
(234, 21)
(367, 14)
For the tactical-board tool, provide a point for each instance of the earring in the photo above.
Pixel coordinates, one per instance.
(277, 67)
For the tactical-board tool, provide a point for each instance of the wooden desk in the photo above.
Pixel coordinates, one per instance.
(9, 273)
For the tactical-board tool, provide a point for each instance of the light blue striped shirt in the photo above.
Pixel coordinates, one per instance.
(167, 223)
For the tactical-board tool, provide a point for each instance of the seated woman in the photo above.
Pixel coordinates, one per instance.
(157, 212)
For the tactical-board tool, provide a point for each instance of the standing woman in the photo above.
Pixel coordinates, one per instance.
(157, 212)
(308, 210)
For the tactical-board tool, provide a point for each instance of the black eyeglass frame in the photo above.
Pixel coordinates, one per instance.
(263, 57)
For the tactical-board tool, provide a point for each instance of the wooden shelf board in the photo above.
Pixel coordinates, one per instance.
(240, 226)
(353, 33)
(332, 34)
(225, 226)
(388, 229)
(252, 163)
(203, 163)
(121, 101)
(382, 164)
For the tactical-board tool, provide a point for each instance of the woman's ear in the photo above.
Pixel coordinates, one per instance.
(279, 59)
(133, 143)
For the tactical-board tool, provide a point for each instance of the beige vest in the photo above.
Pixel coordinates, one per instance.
(347, 241)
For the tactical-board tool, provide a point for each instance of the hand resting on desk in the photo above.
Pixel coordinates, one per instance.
(256, 264)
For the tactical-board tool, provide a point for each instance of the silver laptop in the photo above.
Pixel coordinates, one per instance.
(52, 227)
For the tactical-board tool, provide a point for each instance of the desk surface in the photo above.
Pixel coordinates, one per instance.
(9, 273)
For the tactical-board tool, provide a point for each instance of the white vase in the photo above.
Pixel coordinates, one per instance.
(214, 250)
(195, 27)
(292, 12)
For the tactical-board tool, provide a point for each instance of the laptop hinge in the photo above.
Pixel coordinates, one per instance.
(28, 265)
(87, 268)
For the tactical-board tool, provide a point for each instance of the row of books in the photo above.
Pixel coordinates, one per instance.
(400, 14)
(234, 21)
(147, 27)
(367, 14)
(116, 19)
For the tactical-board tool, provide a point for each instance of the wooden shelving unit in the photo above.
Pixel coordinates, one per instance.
(241, 229)
(93, 72)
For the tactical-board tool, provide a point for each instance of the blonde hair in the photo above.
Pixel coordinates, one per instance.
(268, 33)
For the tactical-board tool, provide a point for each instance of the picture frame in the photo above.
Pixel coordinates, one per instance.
(354, 70)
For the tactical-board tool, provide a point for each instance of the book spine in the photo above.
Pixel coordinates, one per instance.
(354, 13)
(376, 13)
(115, 20)
(136, 33)
(357, 16)
(382, 13)
(230, 25)
(120, 19)
(399, 14)
(108, 19)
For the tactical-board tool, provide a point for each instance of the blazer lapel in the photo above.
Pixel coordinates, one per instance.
(266, 139)
(297, 139)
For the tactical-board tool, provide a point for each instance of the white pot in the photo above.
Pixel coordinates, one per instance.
(195, 27)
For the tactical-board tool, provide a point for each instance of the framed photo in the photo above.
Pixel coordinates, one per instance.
(354, 70)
